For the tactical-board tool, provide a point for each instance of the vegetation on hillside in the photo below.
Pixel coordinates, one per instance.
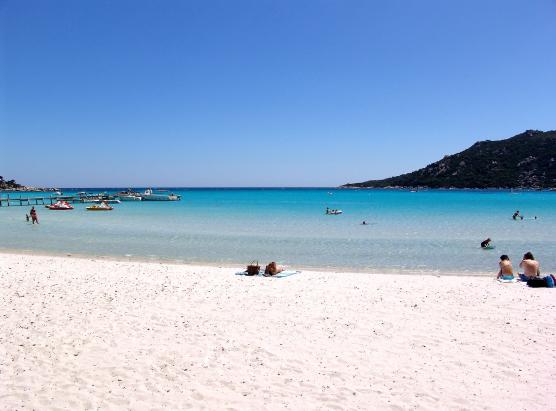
(8, 185)
(527, 160)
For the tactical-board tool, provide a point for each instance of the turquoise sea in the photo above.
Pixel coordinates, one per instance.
(427, 231)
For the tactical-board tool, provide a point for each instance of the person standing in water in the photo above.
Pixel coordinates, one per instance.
(517, 215)
(27, 217)
(34, 217)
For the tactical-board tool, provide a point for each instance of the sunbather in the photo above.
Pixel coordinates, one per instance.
(273, 269)
(531, 268)
(506, 270)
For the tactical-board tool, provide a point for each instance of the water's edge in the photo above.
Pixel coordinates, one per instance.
(240, 266)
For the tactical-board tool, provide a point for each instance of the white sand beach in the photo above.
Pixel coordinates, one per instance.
(83, 333)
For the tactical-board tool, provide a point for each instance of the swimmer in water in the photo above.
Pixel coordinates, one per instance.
(486, 243)
(516, 215)
(364, 222)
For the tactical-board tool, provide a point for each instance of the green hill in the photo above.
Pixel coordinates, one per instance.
(527, 160)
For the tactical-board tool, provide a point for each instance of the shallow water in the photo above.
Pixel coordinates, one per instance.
(428, 231)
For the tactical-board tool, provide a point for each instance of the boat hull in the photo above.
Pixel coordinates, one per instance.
(156, 197)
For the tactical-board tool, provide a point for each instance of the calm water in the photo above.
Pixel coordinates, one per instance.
(427, 231)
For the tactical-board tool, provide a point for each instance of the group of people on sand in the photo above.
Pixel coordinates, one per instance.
(530, 267)
(33, 215)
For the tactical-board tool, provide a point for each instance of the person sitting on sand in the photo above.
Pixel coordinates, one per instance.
(531, 268)
(506, 270)
(486, 243)
(273, 269)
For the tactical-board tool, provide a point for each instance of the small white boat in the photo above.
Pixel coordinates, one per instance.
(333, 212)
(150, 195)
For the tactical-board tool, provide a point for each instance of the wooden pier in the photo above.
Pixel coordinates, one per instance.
(7, 201)
(19, 201)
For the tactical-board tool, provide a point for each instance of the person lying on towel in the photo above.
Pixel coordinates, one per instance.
(273, 269)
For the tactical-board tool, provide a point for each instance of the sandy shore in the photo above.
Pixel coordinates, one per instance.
(98, 334)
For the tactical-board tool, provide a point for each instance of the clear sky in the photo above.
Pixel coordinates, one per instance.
(264, 92)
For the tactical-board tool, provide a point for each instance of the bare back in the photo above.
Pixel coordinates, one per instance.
(530, 268)
(506, 267)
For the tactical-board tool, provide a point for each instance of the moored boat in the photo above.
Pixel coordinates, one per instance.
(60, 205)
(150, 195)
(100, 207)
(129, 195)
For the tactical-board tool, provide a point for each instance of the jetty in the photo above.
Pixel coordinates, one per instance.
(11, 200)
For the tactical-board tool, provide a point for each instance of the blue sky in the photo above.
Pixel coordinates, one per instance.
(264, 93)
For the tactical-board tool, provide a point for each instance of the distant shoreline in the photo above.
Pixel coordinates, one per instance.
(343, 187)
(444, 188)
(28, 190)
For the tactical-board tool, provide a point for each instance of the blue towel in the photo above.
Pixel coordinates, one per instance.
(523, 277)
(282, 274)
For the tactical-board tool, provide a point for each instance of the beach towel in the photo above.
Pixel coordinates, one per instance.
(282, 274)
(507, 280)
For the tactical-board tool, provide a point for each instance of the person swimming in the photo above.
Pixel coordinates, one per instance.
(486, 243)
(517, 215)
(364, 223)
